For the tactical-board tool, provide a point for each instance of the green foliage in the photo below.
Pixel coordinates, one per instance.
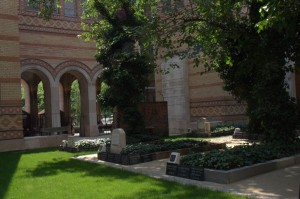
(239, 156)
(137, 138)
(126, 66)
(146, 148)
(106, 110)
(40, 97)
(90, 145)
(251, 44)
(75, 101)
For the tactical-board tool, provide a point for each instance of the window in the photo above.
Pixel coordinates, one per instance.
(70, 8)
(53, 5)
(31, 7)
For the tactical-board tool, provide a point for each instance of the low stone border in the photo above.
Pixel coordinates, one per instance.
(136, 159)
(233, 175)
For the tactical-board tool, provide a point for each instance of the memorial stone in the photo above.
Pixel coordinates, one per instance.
(201, 122)
(118, 141)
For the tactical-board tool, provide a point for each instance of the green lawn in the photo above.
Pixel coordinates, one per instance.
(52, 174)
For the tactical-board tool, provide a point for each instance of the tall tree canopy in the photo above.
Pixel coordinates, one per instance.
(252, 44)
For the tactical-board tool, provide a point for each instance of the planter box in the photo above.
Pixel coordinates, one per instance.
(136, 159)
(147, 158)
(233, 175)
(102, 156)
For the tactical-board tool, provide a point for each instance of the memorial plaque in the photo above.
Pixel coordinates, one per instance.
(197, 173)
(172, 158)
(183, 171)
(171, 169)
(102, 156)
(110, 157)
(146, 158)
(134, 159)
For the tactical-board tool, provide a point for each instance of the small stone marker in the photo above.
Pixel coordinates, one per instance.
(237, 130)
(201, 122)
(118, 141)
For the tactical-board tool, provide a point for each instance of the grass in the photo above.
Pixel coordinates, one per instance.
(49, 173)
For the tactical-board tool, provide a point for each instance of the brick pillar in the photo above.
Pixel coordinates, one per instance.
(10, 80)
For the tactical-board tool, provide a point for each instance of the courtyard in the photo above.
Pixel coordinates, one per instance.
(49, 173)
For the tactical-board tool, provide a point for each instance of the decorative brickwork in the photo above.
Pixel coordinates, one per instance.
(38, 62)
(10, 103)
(217, 108)
(8, 135)
(72, 63)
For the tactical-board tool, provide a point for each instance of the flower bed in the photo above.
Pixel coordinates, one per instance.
(238, 156)
(131, 157)
(83, 145)
(230, 165)
(146, 148)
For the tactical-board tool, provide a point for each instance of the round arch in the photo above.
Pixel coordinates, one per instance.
(65, 76)
(32, 72)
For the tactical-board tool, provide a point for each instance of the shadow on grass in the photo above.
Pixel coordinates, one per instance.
(157, 189)
(8, 164)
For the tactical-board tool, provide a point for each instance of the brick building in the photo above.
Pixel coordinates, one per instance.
(33, 50)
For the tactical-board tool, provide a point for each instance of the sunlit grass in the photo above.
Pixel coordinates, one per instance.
(52, 174)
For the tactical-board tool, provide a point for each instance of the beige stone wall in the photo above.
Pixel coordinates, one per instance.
(56, 48)
(10, 103)
(206, 98)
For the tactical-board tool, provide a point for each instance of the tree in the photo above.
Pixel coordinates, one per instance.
(126, 66)
(251, 44)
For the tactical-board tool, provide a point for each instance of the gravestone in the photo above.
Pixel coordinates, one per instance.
(201, 122)
(118, 141)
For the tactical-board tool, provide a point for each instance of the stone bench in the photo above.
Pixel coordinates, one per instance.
(54, 130)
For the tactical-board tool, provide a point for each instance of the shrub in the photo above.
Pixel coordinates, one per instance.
(146, 148)
(238, 156)
(90, 145)
(137, 138)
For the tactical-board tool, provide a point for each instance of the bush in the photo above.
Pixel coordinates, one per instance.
(217, 131)
(137, 138)
(146, 148)
(238, 156)
(90, 145)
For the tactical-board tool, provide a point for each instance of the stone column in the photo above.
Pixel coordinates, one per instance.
(92, 112)
(67, 104)
(55, 111)
(176, 93)
(33, 105)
